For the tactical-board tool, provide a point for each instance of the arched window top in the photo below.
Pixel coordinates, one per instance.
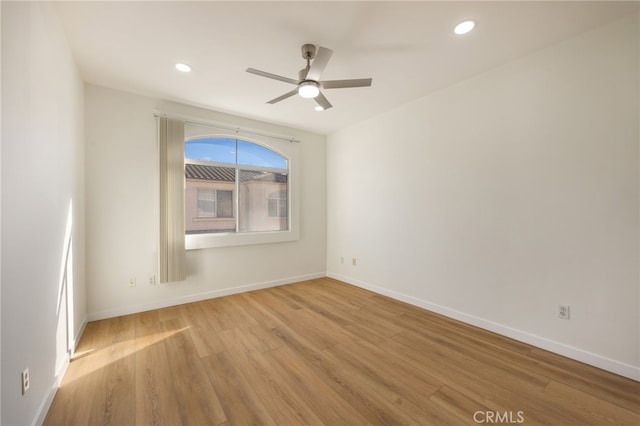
(233, 151)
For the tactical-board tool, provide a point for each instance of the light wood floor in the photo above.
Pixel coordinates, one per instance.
(323, 352)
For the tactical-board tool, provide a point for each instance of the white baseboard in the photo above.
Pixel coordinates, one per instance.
(134, 309)
(577, 354)
(79, 333)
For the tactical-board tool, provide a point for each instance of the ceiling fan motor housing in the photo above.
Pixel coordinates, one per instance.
(308, 51)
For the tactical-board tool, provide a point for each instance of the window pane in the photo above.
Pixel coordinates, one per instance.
(208, 201)
(278, 203)
(225, 203)
(251, 154)
(221, 150)
(255, 203)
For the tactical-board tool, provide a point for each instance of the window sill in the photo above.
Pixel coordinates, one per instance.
(203, 241)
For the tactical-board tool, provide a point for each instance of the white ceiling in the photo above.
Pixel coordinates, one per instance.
(408, 48)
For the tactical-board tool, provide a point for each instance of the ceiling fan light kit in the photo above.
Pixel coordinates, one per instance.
(308, 82)
(308, 89)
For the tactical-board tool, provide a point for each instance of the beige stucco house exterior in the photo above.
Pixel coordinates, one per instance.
(210, 200)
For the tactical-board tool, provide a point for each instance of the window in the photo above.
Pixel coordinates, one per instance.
(255, 188)
(206, 202)
(278, 204)
(234, 188)
(214, 203)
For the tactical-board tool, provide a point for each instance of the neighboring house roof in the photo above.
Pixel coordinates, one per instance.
(226, 174)
(197, 171)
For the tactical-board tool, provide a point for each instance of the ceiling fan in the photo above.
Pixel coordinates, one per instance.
(309, 83)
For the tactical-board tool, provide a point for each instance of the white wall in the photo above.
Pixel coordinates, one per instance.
(42, 176)
(122, 212)
(503, 196)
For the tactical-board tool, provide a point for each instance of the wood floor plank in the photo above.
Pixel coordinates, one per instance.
(260, 306)
(84, 372)
(240, 403)
(459, 405)
(235, 309)
(264, 339)
(345, 381)
(156, 403)
(285, 405)
(601, 384)
(391, 371)
(218, 314)
(466, 382)
(64, 410)
(395, 383)
(326, 404)
(97, 337)
(349, 291)
(309, 300)
(491, 363)
(316, 329)
(270, 299)
(487, 367)
(482, 339)
(375, 321)
(322, 352)
(389, 317)
(169, 313)
(511, 394)
(112, 401)
(146, 319)
(333, 295)
(197, 401)
(204, 338)
(519, 358)
(283, 297)
(601, 411)
(366, 333)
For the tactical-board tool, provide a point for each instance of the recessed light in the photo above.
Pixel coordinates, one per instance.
(319, 108)
(464, 27)
(183, 67)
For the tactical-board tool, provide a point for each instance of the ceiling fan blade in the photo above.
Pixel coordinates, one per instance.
(272, 76)
(319, 63)
(343, 84)
(322, 101)
(283, 97)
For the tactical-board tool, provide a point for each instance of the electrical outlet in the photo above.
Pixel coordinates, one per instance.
(564, 312)
(152, 280)
(132, 282)
(353, 261)
(342, 260)
(25, 380)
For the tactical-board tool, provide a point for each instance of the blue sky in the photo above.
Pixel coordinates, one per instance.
(223, 150)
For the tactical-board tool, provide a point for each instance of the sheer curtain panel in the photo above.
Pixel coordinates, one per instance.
(172, 246)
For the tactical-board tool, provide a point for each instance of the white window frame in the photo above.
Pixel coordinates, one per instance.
(284, 148)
